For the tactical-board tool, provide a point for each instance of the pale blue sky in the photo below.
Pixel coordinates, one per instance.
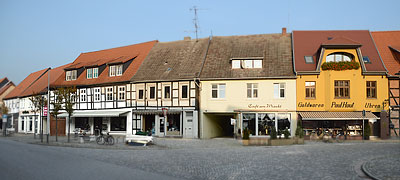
(39, 34)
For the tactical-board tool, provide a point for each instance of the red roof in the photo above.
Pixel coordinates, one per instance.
(137, 52)
(17, 91)
(4, 88)
(40, 85)
(388, 44)
(308, 43)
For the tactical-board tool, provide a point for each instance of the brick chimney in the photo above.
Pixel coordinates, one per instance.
(283, 31)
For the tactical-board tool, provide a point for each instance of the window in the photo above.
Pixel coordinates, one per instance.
(184, 93)
(89, 73)
(265, 123)
(248, 63)
(218, 91)
(342, 89)
(97, 95)
(366, 60)
(140, 94)
(310, 89)
(118, 124)
(249, 122)
(309, 59)
(109, 94)
(83, 95)
(92, 73)
(30, 123)
(339, 57)
(167, 92)
(252, 90)
(152, 92)
(189, 116)
(95, 72)
(119, 70)
(371, 89)
(279, 90)
(283, 121)
(70, 75)
(112, 71)
(121, 93)
(23, 124)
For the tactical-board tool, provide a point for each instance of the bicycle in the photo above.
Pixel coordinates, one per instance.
(339, 137)
(105, 139)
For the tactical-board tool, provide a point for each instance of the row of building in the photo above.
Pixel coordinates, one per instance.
(218, 86)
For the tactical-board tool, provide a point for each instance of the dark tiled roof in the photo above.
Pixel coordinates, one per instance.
(136, 53)
(308, 43)
(17, 91)
(173, 61)
(275, 49)
(6, 87)
(385, 40)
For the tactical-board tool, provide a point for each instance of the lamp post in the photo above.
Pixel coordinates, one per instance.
(48, 106)
(363, 136)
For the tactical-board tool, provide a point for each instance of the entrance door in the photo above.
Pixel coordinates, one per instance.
(98, 122)
(188, 125)
(161, 129)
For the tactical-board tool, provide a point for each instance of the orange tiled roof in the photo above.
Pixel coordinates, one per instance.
(384, 40)
(16, 92)
(40, 85)
(137, 52)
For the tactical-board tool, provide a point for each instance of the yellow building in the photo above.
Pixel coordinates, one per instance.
(339, 75)
(248, 82)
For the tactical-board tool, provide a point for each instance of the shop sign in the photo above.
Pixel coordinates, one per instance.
(256, 106)
(370, 105)
(45, 111)
(307, 104)
(342, 105)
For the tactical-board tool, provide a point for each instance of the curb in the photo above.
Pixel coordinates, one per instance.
(366, 171)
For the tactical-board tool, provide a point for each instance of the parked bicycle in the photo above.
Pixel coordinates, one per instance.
(105, 139)
(339, 137)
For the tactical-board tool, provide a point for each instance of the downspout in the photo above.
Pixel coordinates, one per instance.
(198, 88)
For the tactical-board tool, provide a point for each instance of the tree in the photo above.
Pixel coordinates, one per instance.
(68, 95)
(273, 133)
(37, 102)
(57, 106)
(299, 130)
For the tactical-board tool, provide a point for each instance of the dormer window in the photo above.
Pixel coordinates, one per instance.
(116, 70)
(246, 63)
(92, 73)
(71, 75)
(339, 57)
(309, 59)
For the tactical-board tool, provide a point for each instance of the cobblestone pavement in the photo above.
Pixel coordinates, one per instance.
(227, 159)
(383, 167)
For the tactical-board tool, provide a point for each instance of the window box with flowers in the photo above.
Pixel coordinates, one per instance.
(340, 66)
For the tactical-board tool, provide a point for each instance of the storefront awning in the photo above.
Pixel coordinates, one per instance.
(323, 115)
(96, 113)
(155, 111)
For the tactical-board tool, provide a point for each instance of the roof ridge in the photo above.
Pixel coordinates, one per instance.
(102, 50)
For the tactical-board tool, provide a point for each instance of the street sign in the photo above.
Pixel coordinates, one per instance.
(45, 111)
(4, 118)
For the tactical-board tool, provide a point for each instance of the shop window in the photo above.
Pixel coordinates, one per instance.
(121, 93)
(371, 89)
(265, 123)
(184, 93)
(173, 124)
(109, 93)
(279, 90)
(118, 124)
(310, 89)
(249, 122)
(283, 121)
(342, 89)
(252, 90)
(339, 57)
(22, 125)
(82, 123)
(218, 91)
(167, 92)
(30, 123)
(152, 92)
(97, 95)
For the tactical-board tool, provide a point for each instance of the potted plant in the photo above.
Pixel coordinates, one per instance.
(367, 131)
(299, 133)
(286, 133)
(246, 137)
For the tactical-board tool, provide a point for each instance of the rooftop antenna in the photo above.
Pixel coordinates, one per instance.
(195, 21)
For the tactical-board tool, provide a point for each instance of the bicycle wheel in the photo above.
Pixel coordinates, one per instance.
(100, 140)
(340, 139)
(110, 140)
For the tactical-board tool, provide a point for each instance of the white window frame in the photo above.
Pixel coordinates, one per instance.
(221, 90)
(155, 92)
(109, 94)
(165, 92)
(138, 94)
(181, 91)
(278, 87)
(118, 70)
(252, 90)
(95, 72)
(89, 73)
(82, 93)
(97, 94)
(112, 71)
(121, 93)
(70, 75)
